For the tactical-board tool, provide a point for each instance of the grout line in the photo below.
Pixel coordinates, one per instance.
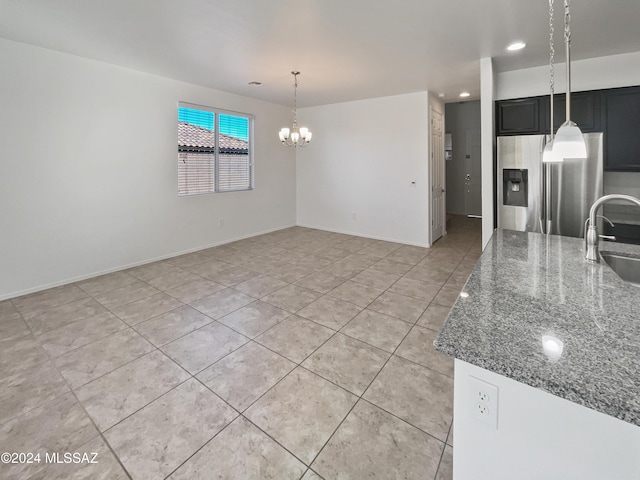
(443, 442)
(49, 360)
(360, 397)
(100, 434)
(277, 442)
(42, 310)
(242, 413)
(275, 241)
(204, 445)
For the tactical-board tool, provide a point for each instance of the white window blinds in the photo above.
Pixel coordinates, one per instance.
(214, 150)
(234, 160)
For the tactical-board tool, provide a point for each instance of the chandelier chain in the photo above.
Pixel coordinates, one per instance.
(295, 97)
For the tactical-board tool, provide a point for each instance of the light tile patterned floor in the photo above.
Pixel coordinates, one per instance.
(296, 354)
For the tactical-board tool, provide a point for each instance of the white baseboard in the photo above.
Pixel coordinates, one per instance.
(358, 234)
(80, 278)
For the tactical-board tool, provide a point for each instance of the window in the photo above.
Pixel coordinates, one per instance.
(214, 150)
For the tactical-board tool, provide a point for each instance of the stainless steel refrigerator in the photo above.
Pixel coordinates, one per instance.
(523, 181)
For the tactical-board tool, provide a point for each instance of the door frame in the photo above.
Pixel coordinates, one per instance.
(436, 154)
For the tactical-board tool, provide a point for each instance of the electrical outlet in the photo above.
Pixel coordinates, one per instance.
(220, 222)
(483, 401)
(353, 216)
(482, 410)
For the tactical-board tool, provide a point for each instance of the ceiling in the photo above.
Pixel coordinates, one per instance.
(345, 49)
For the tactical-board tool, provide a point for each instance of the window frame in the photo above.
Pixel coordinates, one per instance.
(216, 151)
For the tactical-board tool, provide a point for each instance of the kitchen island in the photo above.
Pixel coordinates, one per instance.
(560, 339)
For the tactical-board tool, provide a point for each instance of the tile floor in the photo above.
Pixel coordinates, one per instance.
(296, 354)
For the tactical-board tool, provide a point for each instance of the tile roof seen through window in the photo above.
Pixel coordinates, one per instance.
(192, 137)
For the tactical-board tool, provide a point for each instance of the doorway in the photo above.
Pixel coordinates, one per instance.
(464, 164)
(473, 175)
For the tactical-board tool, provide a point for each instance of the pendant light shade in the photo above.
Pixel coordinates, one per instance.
(548, 156)
(569, 141)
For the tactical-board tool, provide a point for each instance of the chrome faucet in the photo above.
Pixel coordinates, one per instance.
(591, 234)
(586, 225)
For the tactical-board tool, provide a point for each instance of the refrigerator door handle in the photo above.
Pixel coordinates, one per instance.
(542, 197)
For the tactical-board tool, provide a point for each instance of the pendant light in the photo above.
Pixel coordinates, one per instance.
(547, 154)
(295, 137)
(569, 142)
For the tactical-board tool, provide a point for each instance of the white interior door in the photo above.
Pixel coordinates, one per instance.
(473, 175)
(437, 176)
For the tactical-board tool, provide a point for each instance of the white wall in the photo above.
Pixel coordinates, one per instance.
(363, 158)
(590, 74)
(89, 177)
(539, 436)
(487, 133)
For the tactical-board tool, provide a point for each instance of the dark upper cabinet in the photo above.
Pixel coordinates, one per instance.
(530, 116)
(518, 117)
(585, 111)
(621, 122)
(615, 112)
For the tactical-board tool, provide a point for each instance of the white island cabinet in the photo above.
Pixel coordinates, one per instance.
(556, 341)
(539, 436)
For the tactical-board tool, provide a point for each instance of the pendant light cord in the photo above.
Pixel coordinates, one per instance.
(569, 141)
(552, 53)
(567, 42)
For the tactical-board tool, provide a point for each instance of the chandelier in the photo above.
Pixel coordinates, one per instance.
(295, 137)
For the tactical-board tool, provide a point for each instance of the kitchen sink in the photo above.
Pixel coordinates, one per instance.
(627, 268)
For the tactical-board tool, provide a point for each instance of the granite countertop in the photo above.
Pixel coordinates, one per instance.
(527, 286)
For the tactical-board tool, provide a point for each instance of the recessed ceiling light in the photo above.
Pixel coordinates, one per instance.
(465, 94)
(441, 95)
(516, 46)
(255, 84)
